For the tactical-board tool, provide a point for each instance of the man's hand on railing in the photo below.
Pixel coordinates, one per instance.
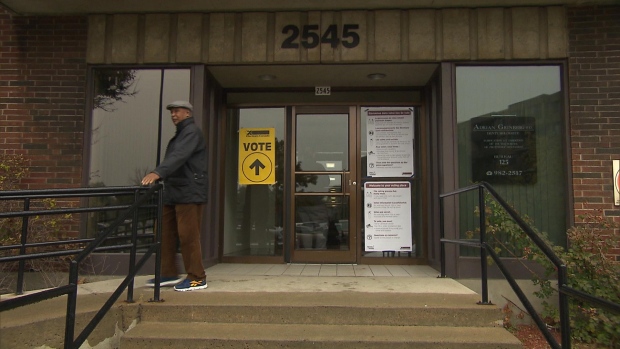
(150, 178)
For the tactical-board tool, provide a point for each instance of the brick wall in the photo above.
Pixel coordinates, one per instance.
(42, 94)
(594, 88)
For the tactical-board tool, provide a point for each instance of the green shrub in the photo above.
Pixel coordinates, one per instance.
(40, 228)
(589, 268)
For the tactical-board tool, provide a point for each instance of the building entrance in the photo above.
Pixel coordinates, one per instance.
(324, 185)
(316, 210)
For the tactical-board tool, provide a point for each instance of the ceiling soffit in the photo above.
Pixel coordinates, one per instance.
(64, 7)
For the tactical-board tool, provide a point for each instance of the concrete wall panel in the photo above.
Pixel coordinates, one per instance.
(526, 32)
(313, 54)
(491, 29)
(557, 28)
(422, 35)
(156, 38)
(328, 54)
(189, 41)
(96, 39)
(456, 34)
(254, 37)
(283, 19)
(387, 35)
(360, 52)
(221, 37)
(124, 39)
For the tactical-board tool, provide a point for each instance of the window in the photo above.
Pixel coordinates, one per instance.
(253, 214)
(130, 126)
(511, 134)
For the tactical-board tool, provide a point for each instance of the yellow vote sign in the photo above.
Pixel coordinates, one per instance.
(257, 153)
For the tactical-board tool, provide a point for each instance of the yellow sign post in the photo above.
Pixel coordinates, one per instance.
(257, 153)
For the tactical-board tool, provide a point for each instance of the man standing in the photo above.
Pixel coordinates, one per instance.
(184, 172)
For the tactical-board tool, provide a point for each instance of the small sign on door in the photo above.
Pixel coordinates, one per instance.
(257, 153)
(322, 90)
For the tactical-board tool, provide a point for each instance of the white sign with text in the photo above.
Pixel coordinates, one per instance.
(387, 216)
(389, 137)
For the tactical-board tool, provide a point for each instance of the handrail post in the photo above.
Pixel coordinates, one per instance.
(158, 235)
(442, 246)
(132, 253)
(22, 249)
(564, 308)
(71, 306)
(483, 251)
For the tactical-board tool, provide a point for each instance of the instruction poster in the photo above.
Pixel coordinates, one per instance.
(387, 216)
(389, 139)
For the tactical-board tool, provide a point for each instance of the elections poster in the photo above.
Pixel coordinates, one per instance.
(387, 216)
(389, 136)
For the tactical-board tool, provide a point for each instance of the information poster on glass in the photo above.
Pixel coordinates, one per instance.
(387, 216)
(504, 149)
(389, 138)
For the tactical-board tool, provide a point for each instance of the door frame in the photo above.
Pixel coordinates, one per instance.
(422, 147)
(349, 188)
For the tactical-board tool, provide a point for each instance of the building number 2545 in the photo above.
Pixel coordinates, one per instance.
(310, 36)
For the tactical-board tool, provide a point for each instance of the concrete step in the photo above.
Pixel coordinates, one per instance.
(180, 335)
(318, 320)
(327, 308)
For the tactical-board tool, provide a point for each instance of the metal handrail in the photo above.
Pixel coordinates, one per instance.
(564, 290)
(141, 195)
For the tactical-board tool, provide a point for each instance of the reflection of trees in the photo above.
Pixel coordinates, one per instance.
(112, 86)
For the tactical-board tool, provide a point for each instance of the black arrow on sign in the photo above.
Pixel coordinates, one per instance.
(257, 166)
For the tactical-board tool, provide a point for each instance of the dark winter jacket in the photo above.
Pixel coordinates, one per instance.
(184, 169)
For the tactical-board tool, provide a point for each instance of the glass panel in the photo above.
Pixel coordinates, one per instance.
(253, 214)
(317, 183)
(124, 119)
(125, 116)
(510, 134)
(322, 223)
(322, 142)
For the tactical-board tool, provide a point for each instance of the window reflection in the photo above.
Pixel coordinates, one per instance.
(510, 134)
(128, 134)
(126, 122)
(320, 143)
(322, 222)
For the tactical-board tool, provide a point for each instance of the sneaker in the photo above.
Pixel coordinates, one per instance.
(191, 285)
(165, 281)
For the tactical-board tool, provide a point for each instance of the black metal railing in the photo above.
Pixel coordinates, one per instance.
(143, 197)
(564, 290)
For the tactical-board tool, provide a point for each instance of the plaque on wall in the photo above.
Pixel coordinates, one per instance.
(504, 149)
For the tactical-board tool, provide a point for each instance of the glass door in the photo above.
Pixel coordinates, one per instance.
(325, 188)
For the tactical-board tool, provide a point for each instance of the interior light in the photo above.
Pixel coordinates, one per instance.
(267, 77)
(376, 76)
(330, 165)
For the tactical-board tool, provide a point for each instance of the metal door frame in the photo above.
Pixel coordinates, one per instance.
(349, 188)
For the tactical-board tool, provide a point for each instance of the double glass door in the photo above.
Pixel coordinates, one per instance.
(324, 176)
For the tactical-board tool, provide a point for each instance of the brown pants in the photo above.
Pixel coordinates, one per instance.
(183, 222)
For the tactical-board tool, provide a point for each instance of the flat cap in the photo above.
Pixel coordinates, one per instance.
(180, 104)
